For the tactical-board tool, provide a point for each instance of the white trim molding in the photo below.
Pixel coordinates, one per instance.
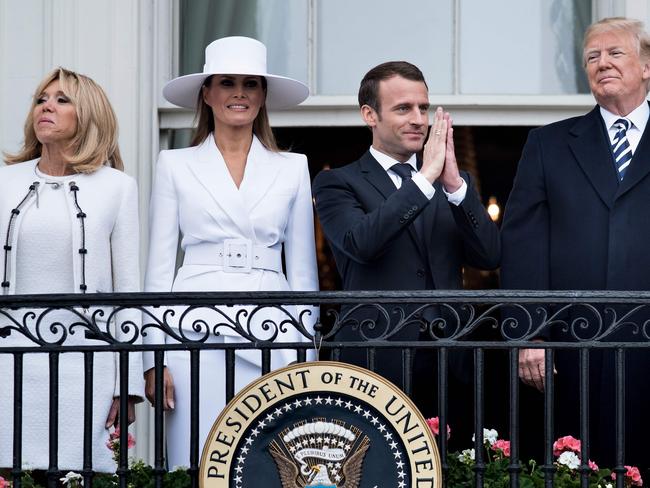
(467, 110)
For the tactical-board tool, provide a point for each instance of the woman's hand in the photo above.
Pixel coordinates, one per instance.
(113, 417)
(168, 387)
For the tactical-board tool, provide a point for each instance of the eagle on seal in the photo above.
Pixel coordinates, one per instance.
(289, 473)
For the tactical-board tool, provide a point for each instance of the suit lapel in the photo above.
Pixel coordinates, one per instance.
(262, 170)
(428, 214)
(210, 170)
(377, 177)
(639, 167)
(590, 147)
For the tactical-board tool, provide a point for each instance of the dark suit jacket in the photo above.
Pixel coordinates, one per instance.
(367, 222)
(569, 224)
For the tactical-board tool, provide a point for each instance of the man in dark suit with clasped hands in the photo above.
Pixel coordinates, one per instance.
(398, 222)
(578, 218)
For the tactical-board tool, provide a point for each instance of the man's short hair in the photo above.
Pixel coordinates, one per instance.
(633, 27)
(369, 87)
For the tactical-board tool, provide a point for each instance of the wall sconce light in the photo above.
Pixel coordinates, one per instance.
(493, 209)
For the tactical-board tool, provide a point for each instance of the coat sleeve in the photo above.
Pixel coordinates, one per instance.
(125, 251)
(163, 244)
(481, 240)
(360, 234)
(299, 245)
(525, 235)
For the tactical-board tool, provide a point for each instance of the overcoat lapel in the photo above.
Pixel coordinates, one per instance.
(377, 177)
(639, 166)
(262, 171)
(589, 144)
(210, 170)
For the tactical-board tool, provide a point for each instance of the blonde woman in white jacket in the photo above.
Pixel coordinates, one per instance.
(69, 224)
(240, 205)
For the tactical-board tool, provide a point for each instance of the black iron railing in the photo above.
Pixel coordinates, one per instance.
(445, 322)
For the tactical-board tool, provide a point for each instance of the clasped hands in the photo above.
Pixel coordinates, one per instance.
(439, 156)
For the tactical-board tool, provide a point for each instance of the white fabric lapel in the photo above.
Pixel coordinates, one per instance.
(210, 170)
(262, 170)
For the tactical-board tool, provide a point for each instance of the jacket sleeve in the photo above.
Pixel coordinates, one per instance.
(163, 244)
(526, 234)
(125, 251)
(300, 247)
(361, 235)
(481, 240)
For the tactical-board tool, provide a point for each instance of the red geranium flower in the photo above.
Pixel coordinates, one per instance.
(434, 425)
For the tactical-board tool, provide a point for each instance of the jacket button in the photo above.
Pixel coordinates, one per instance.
(420, 273)
(405, 216)
(414, 208)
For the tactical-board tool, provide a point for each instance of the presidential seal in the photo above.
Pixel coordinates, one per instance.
(321, 424)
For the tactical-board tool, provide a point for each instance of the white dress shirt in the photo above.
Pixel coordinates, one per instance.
(638, 117)
(418, 178)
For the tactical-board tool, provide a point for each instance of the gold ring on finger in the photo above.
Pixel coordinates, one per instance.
(437, 132)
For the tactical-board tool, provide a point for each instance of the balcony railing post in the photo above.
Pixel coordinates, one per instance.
(620, 417)
(549, 417)
(194, 417)
(515, 467)
(479, 451)
(159, 460)
(584, 417)
(88, 418)
(17, 473)
(53, 470)
(123, 464)
(442, 411)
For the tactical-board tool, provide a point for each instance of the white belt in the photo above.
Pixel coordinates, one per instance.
(234, 256)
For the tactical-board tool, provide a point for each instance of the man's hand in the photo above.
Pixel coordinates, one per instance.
(433, 157)
(532, 368)
(450, 176)
(168, 387)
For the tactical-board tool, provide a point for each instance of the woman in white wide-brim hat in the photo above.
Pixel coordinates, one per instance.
(240, 205)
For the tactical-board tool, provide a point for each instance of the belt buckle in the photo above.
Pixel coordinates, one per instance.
(237, 255)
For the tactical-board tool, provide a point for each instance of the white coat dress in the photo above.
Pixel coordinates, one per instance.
(194, 193)
(109, 199)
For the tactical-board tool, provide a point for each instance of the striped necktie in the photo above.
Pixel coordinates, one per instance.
(621, 147)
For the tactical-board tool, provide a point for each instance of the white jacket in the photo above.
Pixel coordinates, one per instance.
(109, 199)
(194, 193)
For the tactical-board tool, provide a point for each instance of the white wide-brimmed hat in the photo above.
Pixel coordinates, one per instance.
(236, 56)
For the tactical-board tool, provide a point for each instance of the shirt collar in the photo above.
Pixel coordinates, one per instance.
(638, 116)
(386, 161)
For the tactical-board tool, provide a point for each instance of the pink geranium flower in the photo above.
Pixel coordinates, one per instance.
(633, 476)
(593, 465)
(113, 442)
(3, 483)
(566, 443)
(503, 446)
(434, 425)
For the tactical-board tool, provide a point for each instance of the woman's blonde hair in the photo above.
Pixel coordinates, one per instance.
(95, 141)
(205, 121)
